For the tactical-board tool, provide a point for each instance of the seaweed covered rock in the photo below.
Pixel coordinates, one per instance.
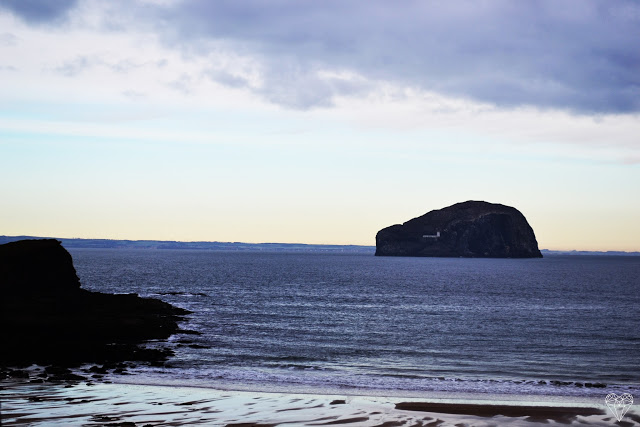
(468, 229)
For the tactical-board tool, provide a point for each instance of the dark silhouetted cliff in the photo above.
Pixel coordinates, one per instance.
(47, 318)
(468, 229)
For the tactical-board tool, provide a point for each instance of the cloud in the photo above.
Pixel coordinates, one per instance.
(8, 39)
(39, 11)
(226, 78)
(183, 84)
(297, 87)
(75, 66)
(80, 63)
(133, 94)
(576, 55)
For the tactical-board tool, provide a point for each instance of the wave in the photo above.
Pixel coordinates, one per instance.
(295, 377)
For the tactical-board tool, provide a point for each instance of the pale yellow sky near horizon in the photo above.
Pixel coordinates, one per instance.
(565, 232)
(116, 132)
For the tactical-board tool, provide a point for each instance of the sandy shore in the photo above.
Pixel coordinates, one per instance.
(143, 405)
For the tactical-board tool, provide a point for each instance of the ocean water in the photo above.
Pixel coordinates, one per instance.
(562, 325)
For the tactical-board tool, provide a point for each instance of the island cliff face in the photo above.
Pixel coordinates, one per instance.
(470, 229)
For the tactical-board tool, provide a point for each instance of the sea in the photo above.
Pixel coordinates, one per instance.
(353, 323)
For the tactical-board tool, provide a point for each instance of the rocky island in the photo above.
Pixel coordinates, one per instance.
(472, 229)
(47, 319)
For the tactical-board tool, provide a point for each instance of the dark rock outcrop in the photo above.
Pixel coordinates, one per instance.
(48, 319)
(35, 267)
(468, 229)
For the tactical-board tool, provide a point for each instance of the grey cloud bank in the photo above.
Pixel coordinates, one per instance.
(580, 56)
(39, 11)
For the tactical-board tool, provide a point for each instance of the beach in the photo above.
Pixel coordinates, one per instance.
(119, 404)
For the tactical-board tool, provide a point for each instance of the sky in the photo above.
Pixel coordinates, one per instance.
(317, 121)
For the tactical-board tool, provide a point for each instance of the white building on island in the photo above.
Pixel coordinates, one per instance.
(431, 236)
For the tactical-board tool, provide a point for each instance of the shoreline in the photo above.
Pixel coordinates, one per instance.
(143, 376)
(451, 396)
(119, 403)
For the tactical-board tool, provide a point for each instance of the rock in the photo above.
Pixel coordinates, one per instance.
(468, 229)
(104, 418)
(197, 346)
(250, 425)
(12, 373)
(70, 377)
(595, 385)
(36, 267)
(98, 370)
(48, 319)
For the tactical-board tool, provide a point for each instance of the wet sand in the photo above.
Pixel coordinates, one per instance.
(144, 405)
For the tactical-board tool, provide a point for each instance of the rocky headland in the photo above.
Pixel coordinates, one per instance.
(472, 229)
(48, 319)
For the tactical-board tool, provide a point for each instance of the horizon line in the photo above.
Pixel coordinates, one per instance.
(275, 243)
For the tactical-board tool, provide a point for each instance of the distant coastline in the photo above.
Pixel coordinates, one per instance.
(211, 246)
(602, 253)
(242, 246)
